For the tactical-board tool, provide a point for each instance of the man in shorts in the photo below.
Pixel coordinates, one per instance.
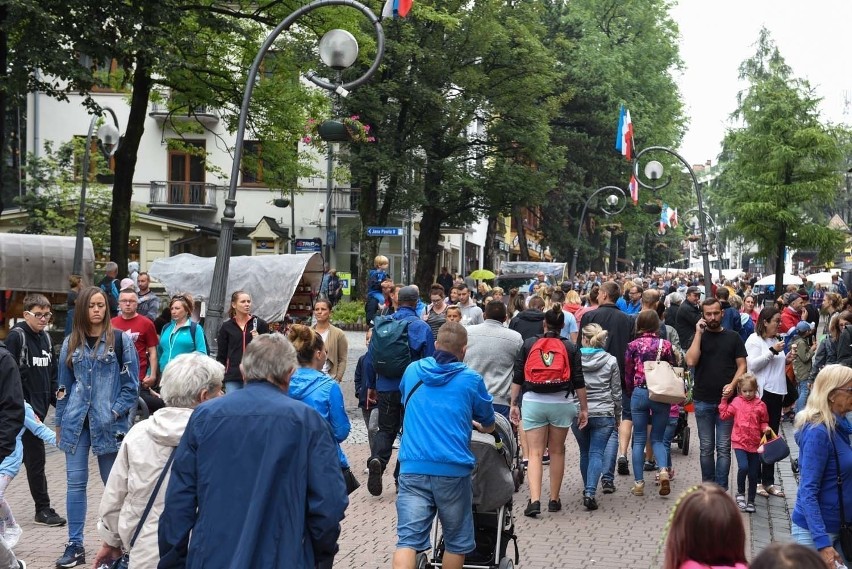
(434, 456)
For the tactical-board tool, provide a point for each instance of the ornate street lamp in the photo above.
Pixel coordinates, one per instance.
(336, 51)
(108, 139)
(615, 202)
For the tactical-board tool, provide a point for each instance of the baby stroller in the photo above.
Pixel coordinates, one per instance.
(493, 487)
(682, 432)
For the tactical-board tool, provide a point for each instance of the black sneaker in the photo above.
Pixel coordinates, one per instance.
(75, 554)
(21, 564)
(590, 503)
(533, 509)
(49, 517)
(649, 466)
(374, 481)
(554, 505)
(623, 469)
(545, 459)
(608, 486)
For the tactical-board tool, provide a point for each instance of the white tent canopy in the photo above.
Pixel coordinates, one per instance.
(270, 279)
(823, 278)
(788, 280)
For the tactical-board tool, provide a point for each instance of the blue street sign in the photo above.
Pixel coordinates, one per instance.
(384, 232)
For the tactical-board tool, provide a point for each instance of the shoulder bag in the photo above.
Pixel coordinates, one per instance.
(845, 534)
(123, 562)
(664, 382)
(774, 449)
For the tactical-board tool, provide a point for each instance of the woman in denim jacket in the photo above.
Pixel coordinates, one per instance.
(97, 388)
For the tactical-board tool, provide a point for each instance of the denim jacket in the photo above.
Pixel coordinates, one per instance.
(95, 388)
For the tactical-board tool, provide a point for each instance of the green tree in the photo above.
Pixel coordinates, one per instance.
(781, 163)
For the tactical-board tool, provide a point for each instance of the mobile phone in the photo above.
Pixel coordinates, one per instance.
(703, 326)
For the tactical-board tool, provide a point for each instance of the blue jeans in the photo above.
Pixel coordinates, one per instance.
(609, 457)
(802, 536)
(592, 441)
(232, 386)
(748, 466)
(671, 428)
(77, 477)
(643, 411)
(714, 436)
(422, 496)
(804, 391)
(501, 409)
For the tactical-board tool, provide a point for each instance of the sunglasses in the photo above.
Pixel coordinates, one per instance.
(846, 389)
(39, 315)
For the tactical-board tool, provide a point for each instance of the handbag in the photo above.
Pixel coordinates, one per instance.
(123, 562)
(772, 450)
(352, 483)
(664, 382)
(845, 534)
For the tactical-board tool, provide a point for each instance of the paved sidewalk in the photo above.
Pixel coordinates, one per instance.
(625, 532)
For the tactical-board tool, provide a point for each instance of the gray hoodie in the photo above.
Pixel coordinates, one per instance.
(603, 383)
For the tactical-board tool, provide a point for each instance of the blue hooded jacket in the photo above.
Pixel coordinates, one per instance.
(323, 393)
(437, 425)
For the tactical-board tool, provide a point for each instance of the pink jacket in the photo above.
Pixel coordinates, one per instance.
(695, 565)
(750, 420)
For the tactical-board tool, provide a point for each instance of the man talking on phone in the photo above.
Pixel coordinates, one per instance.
(719, 359)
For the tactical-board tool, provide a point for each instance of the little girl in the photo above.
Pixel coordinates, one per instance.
(751, 421)
(10, 531)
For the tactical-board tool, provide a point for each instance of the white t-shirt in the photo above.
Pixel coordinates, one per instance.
(326, 366)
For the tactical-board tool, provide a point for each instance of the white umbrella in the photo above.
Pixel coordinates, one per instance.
(823, 278)
(788, 280)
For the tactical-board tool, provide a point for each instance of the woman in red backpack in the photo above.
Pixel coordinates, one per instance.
(550, 371)
(648, 346)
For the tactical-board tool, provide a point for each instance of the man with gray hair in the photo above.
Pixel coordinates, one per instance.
(264, 469)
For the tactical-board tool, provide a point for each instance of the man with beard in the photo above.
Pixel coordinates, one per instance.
(719, 359)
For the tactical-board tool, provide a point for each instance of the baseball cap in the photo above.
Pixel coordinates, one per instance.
(127, 284)
(803, 327)
(791, 297)
(693, 290)
(408, 294)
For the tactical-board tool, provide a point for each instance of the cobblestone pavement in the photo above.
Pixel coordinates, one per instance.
(625, 532)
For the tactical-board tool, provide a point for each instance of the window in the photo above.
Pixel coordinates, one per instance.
(187, 173)
(252, 163)
(107, 75)
(95, 158)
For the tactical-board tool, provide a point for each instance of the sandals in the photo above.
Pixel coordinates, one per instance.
(761, 491)
(774, 490)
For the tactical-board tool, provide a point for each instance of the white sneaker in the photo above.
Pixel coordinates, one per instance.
(12, 535)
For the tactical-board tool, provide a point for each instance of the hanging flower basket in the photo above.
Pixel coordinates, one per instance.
(348, 129)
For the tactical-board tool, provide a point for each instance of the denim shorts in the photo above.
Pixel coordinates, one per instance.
(537, 415)
(420, 497)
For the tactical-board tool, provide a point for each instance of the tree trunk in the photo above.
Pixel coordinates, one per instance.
(125, 166)
(490, 239)
(779, 268)
(368, 210)
(430, 235)
(518, 220)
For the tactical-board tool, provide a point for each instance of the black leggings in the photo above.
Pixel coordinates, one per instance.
(773, 406)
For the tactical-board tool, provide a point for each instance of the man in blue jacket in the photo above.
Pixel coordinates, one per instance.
(256, 480)
(421, 344)
(435, 458)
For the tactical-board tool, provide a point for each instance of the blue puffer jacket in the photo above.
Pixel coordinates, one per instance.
(321, 392)
(95, 388)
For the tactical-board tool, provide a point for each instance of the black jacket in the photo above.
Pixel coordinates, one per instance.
(688, 316)
(671, 315)
(619, 327)
(38, 372)
(11, 403)
(231, 342)
(528, 323)
(578, 381)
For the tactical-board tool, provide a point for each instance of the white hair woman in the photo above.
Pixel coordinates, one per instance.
(188, 381)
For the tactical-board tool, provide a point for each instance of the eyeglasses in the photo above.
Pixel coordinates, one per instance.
(846, 389)
(179, 297)
(39, 315)
(128, 301)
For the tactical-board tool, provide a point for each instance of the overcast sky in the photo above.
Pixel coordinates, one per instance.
(717, 36)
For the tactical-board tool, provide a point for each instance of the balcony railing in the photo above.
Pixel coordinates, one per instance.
(160, 110)
(345, 200)
(182, 195)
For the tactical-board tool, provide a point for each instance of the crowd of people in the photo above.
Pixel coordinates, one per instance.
(551, 360)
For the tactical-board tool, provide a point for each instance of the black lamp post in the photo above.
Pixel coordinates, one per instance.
(108, 137)
(616, 196)
(331, 51)
(715, 234)
(654, 171)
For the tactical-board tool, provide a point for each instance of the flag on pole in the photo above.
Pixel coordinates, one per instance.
(624, 134)
(633, 186)
(396, 8)
(664, 219)
(673, 217)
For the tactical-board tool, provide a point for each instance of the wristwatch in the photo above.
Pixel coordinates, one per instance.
(774, 351)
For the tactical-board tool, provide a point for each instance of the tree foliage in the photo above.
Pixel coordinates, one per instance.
(781, 163)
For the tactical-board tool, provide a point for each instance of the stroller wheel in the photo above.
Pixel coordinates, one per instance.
(506, 563)
(685, 445)
(421, 562)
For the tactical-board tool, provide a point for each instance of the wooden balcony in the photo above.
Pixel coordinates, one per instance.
(182, 195)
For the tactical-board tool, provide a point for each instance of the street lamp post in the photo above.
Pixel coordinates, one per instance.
(654, 171)
(615, 196)
(108, 137)
(715, 233)
(335, 53)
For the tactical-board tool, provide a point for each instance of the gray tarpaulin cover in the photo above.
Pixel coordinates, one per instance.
(270, 279)
(41, 263)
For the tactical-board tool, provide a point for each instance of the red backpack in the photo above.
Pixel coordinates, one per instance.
(547, 369)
